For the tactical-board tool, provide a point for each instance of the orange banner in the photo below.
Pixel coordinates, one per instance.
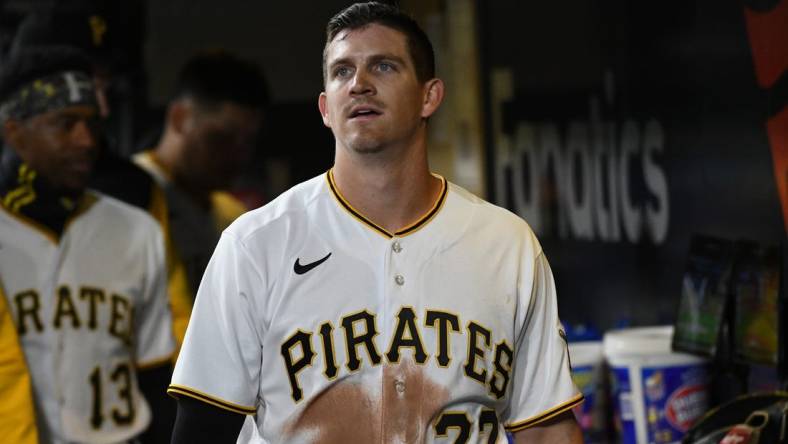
(768, 31)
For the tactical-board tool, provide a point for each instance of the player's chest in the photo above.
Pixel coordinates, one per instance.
(386, 274)
(69, 286)
(394, 311)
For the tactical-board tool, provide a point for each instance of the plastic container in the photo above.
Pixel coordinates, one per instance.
(588, 373)
(657, 394)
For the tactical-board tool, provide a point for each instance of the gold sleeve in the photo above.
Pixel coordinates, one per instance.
(17, 414)
(180, 295)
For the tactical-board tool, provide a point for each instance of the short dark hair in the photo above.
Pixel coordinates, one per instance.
(29, 64)
(213, 76)
(361, 15)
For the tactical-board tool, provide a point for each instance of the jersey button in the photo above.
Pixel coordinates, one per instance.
(396, 246)
(399, 279)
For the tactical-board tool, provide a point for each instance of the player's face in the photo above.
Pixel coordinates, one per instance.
(60, 145)
(219, 142)
(373, 98)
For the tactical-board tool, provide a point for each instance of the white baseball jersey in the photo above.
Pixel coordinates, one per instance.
(332, 330)
(90, 308)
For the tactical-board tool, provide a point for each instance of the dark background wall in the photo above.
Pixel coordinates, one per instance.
(682, 70)
(286, 38)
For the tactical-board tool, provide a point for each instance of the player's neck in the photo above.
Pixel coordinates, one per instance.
(168, 153)
(393, 194)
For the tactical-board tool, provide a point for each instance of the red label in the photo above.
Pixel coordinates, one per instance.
(741, 434)
(685, 405)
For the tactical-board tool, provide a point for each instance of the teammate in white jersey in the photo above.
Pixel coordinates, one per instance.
(377, 303)
(83, 274)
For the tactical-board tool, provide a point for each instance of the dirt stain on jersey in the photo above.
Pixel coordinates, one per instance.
(399, 412)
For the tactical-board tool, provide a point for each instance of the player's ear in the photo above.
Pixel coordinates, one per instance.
(177, 114)
(321, 104)
(433, 96)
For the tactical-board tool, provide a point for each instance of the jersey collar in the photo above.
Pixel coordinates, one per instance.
(409, 229)
(30, 199)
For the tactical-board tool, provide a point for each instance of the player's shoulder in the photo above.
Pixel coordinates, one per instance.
(490, 221)
(287, 210)
(110, 212)
(487, 213)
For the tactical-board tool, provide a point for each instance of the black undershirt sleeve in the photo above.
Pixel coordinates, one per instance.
(153, 385)
(198, 422)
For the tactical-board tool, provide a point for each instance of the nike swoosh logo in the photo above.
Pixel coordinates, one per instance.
(301, 269)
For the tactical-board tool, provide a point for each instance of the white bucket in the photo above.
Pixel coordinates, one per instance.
(658, 394)
(588, 374)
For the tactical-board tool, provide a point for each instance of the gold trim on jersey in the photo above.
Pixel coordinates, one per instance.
(175, 389)
(408, 229)
(544, 416)
(85, 203)
(24, 194)
(46, 232)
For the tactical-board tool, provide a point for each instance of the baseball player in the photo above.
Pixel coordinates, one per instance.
(377, 302)
(86, 26)
(209, 132)
(83, 274)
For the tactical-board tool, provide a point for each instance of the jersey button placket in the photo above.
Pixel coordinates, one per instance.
(396, 247)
